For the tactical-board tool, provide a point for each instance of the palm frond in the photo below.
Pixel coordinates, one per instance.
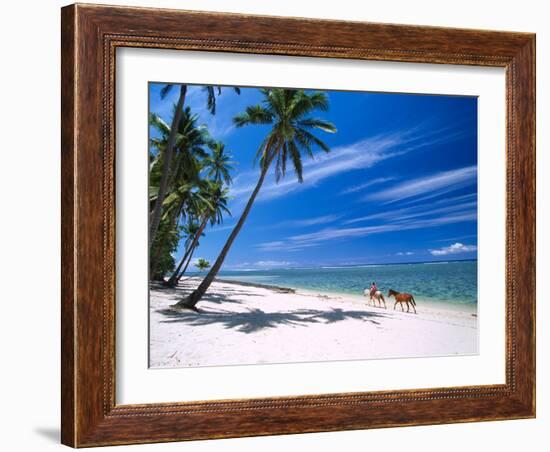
(165, 90)
(315, 123)
(296, 160)
(210, 99)
(319, 100)
(310, 139)
(159, 124)
(255, 114)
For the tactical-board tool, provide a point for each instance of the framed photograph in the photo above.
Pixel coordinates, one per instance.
(281, 225)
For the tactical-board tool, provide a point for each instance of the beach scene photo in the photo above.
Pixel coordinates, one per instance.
(291, 225)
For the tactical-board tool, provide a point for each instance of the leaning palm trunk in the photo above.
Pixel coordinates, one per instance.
(174, 278)
(186, 265)
(191, 300)
(167, 160)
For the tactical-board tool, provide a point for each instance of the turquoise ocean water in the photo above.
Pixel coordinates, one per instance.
(453, 283)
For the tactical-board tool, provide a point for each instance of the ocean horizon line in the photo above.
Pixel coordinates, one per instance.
(364, 265)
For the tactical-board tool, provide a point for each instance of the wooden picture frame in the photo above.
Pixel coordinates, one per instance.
(90, 36)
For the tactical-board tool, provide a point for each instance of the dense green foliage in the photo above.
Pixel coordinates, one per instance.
(165, 244)
(196, 194)
(202, 264)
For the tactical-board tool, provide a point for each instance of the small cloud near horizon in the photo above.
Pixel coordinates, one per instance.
(455, 248)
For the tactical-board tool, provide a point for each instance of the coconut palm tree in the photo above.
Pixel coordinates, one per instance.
(156, 213)
(189, 149)
(212, 211)
(291, 136)
(202, 264)
(218, 164)
(190, 142)
(154, 220)
(185, 203)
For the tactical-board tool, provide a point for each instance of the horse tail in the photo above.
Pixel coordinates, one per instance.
(413, 302)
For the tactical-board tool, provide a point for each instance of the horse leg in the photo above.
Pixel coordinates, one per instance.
(402, 308)
(414, 309)
(407, 306)
(394, 305)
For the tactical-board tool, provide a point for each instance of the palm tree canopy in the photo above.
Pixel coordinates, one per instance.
(217, 197)
(211, 91)
(202, 264)
(184, 172)
(190, 230)
(292, 132)
(190, 142)
(218, 164)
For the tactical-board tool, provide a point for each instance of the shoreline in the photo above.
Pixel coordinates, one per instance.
(430, 304)
(239, 324)
(273, 287)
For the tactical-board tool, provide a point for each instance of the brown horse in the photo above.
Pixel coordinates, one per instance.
(402, 298)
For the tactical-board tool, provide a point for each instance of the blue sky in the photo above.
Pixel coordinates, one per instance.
(399, 185)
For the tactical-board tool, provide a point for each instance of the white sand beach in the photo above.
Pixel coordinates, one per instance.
(246, 324)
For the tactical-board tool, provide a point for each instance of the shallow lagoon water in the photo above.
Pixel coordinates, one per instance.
(453, 283)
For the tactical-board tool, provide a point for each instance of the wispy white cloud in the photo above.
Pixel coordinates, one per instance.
(431, 186)
(360, 187)
(305, 222)
(225, 227)
(302, 241)
(314, 221)
(455, 248)
(362, 154)
(447, 205)
(298, 223)
(449, 239)
(404, 253)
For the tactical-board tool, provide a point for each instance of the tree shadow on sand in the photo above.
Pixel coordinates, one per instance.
(255, 320)
(176, 294)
